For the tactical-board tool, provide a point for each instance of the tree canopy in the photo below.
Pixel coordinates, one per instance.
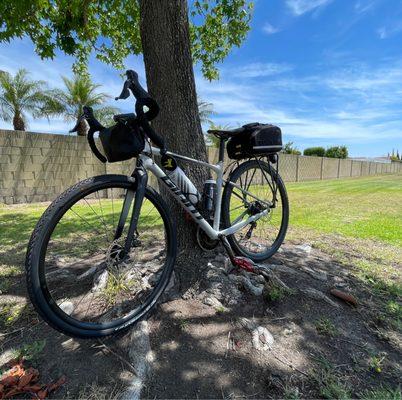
(111, 28)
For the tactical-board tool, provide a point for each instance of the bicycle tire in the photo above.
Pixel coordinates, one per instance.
(234, 176)
(38, 245)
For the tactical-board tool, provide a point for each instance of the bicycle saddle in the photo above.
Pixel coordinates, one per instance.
(227, 133)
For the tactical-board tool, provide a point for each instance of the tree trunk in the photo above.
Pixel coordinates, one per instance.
(82, 128)
(18, 122)
(170, 80)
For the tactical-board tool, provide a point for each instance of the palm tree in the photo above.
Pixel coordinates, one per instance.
(212, 140)
(20, 95)
(205, 110)
(80, 91)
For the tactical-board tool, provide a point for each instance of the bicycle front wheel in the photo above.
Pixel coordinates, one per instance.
(79, 278)
(260, 240)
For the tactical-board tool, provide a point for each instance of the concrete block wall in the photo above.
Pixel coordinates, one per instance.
(37, 167)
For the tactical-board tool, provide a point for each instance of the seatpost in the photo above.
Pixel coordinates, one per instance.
(221, 149)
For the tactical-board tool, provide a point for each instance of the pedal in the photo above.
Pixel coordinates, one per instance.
(244, 263)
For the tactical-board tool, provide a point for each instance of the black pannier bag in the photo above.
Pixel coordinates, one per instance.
(122, 141)
(256, 140)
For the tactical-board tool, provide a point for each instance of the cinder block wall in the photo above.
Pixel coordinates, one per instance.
(37, 167)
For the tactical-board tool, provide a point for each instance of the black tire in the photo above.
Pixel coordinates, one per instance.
(37, 248)
(226, 220)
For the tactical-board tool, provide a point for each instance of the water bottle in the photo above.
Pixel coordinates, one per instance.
(177, 175)
(208, 197)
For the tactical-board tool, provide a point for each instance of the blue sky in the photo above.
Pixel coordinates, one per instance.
(328, 72)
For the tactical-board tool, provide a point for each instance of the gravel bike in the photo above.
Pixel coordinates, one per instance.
(103, 252)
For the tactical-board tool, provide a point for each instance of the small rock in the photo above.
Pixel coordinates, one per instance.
(213, 302)
(70, 344)
(67, 307)
(290, 329)
(305, 248)
(100, 281)
(259, 279)
(262, 339)
(153, 279)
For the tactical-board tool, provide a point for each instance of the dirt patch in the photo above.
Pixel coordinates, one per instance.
(204, 347)
(323, 347)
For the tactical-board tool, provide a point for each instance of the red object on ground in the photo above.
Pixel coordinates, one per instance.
(348, 298)
(244, 263)
(18, 380)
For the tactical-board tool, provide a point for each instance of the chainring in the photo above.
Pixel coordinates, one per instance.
(205, 242)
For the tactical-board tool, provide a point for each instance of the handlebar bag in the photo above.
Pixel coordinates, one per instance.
(122, 141)
(255, 140)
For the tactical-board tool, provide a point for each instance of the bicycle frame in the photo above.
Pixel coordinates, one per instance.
(213, 232)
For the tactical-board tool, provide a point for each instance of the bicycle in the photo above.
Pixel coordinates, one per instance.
(94, 270)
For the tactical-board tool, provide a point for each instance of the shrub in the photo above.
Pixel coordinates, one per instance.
(314, 151)
(337, 152)
(288, 148)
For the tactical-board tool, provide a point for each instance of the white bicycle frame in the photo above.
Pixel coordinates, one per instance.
(212, 231)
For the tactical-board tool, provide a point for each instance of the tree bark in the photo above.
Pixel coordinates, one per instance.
(170, 79)
(82, 128)
(18, 122)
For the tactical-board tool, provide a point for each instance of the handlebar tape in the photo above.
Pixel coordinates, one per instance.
(94, 126)
(145, 100)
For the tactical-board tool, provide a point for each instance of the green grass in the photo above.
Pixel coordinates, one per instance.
(382, 392)
(362, 208)
(326, 327)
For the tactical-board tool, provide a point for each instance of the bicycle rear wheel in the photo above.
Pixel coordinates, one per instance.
(261, 240)
(78, 279)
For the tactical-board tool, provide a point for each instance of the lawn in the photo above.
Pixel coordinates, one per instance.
(365, 208)
(362, 208)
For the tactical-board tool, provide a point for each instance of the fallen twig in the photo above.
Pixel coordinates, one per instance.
(10, 333)
(289, 365)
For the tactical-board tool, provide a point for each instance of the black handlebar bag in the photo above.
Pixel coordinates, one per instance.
(122, 141)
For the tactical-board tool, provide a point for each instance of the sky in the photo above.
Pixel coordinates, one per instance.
(328, 72)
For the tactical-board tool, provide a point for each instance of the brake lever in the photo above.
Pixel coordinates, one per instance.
(125, 93)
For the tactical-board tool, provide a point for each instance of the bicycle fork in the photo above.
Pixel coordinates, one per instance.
(137, 194)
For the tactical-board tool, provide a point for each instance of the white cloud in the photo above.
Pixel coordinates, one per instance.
(270, 29)
(385, 32)
(299, 7)
(353, 106)
(362, 7)
(257, 70)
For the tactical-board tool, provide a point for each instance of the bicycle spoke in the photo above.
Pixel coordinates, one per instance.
(82, 239)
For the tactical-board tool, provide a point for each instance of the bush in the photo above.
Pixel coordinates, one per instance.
(337, 152)
(314, 151)
(289, 149)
